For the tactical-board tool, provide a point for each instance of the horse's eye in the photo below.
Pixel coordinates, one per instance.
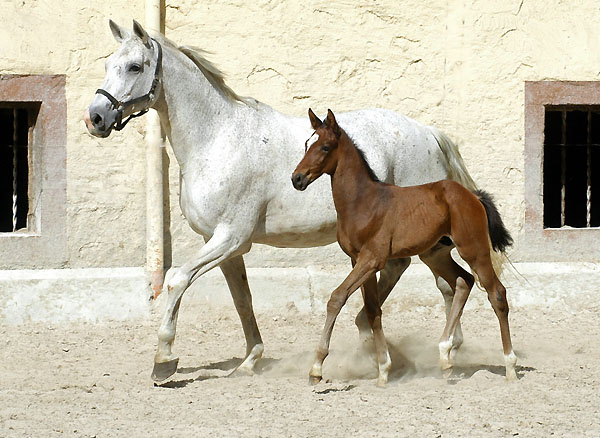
(325, 148)
(134, 68)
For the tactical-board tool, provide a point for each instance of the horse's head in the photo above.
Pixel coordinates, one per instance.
(132, 81)
(322, 156)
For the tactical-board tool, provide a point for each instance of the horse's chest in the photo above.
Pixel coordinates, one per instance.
(203, 205)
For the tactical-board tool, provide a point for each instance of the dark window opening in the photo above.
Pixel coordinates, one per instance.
(571, 153)
(15, 123)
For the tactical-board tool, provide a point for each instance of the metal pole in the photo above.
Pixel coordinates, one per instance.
(154, 177)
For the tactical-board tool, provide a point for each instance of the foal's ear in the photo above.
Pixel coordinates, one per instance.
(139, 31)
(332, 123)
(315, 122)
(118, 32)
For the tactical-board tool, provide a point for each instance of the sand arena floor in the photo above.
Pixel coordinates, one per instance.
(93, 380)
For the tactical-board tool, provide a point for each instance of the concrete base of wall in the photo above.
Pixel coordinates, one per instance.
(122, 293)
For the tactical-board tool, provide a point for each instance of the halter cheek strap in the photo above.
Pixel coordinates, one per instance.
(120, 107)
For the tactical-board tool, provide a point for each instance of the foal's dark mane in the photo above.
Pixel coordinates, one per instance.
(361, 154)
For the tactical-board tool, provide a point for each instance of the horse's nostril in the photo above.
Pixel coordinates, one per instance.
(96, 119)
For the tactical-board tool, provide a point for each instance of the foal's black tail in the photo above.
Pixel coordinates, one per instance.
(499, 235)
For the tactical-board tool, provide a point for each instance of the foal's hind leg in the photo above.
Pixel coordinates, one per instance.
(497, 296)
(388, 277)
(454, 282)
(234, 271)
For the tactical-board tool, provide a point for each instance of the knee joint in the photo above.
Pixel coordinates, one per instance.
(178, 280)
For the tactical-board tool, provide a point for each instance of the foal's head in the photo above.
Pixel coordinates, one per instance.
(322, 156)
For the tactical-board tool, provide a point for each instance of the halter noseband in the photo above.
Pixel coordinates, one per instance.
(148, 97)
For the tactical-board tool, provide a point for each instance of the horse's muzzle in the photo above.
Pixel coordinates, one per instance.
(95, 124)
(300, 181)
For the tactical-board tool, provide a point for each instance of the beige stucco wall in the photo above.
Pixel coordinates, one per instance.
(105, 191)
(457, 64)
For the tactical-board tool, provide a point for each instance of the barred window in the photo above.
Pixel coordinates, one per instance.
(16, 123)
(571, 155)
(33, 183)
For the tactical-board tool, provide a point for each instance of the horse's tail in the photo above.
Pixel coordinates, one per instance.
(455, 165)
(499, 235)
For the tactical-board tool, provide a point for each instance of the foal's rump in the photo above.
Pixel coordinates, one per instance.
(469, 219)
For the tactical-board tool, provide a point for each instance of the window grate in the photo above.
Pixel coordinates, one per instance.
(14, 168)
(571, 152)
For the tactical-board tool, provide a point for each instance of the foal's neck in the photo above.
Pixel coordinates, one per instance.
(351, 181)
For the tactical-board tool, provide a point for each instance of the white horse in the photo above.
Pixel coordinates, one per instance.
(236, 156)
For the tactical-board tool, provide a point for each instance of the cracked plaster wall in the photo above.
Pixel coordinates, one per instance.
(460, 65)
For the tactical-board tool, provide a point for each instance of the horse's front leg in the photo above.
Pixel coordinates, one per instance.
(235, 275)
(359, 274)
(221, 246)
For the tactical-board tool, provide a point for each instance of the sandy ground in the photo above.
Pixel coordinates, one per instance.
(93, 380)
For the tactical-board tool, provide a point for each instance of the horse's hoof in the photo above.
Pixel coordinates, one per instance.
(164, 370)
(313, 380)
(511, 376)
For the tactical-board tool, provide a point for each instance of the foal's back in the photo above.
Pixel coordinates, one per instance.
(418, 216)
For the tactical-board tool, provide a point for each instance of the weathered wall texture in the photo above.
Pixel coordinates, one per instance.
(105, 191)
(460, 65)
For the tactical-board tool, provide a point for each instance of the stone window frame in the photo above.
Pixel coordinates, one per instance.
(553, 244)
(43, 243)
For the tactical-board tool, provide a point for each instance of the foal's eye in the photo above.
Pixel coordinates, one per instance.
(325, 148)
(135, 68)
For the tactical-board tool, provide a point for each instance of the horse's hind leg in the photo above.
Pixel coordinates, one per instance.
(219, 248)
(453, 282)
(388, 277)
(373, 311)
(235, 275)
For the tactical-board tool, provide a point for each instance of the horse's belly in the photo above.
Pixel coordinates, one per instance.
(323, 235)
(299, 219)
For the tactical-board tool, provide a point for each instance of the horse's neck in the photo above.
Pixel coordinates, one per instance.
(191, 110)
(350, 183)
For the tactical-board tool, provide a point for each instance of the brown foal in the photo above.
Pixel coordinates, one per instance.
(378, 221)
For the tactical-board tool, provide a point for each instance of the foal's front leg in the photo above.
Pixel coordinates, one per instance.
(359, 274)
(388, 277)
(373, 311)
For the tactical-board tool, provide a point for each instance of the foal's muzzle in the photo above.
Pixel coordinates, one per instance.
(300, 181)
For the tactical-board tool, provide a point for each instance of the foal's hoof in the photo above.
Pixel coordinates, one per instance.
(446, 373)
(511, 375)
(164, 370)
(241, 372)
(313, 380)
(381, 383)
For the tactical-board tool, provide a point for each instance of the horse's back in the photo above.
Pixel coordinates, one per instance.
(400, 150)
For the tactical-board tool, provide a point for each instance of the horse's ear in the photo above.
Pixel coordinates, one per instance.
(315, 122)
(118, 32)
(139, 32)
(332, 123)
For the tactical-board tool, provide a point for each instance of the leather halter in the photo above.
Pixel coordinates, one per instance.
(148, 97)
